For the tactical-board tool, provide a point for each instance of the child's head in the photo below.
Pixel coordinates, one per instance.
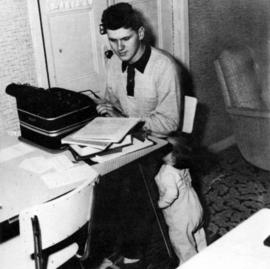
(180, 156)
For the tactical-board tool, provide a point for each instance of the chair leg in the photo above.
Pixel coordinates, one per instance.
(37, 243)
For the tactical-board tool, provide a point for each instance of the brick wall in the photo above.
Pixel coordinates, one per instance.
(16, 58)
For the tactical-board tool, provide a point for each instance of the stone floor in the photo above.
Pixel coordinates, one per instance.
(231, 190)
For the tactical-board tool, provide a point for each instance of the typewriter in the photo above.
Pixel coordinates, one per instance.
(48, 115)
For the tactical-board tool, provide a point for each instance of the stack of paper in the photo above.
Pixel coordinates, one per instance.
(100, 145)
(101, 134)
(90, 150)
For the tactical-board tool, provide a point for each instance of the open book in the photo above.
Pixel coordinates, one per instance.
(106, 129)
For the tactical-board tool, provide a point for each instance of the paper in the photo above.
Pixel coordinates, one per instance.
(37, 165)
(15, 151)
(61, 162)
(111, 129)
(40, 164)
(69, 176)
(189, 114)
(126, 141)
(137, 145)
(86, 150)
(100, 145)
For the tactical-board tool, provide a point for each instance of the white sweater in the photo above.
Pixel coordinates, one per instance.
(156, 97)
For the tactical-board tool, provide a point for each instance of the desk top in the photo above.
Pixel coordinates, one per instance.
(20, 188)
(241, 248)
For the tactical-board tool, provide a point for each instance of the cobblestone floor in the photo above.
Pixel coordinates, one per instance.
(231, 190)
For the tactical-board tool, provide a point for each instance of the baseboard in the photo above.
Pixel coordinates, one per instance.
(222, 144)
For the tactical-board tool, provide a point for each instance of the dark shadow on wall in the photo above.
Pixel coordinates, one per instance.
(202, 159)
(149, 36)
(200, 121)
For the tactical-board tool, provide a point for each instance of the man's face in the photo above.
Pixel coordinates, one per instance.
(126, 43)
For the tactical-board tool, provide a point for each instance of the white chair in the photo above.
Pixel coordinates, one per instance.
(44, 226)
(246, 104)
(190, 106)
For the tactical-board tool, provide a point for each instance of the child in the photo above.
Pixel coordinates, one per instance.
(181, 206)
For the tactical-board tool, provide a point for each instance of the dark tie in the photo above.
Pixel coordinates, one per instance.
(130, 80)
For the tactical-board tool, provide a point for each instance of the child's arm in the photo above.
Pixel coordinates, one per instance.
(169, 196)
(168, 190)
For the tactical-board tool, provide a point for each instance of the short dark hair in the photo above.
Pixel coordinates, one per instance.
(120, 15)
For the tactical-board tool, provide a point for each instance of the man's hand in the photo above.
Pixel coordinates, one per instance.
(108, 110)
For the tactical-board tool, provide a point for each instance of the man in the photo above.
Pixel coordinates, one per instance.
(142, 82)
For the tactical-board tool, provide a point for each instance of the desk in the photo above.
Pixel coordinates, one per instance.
(241, 248)
(20, 189)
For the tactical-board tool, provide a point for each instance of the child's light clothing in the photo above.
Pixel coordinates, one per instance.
(182, 211)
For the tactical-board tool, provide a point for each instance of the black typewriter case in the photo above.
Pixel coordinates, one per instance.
(48, 115)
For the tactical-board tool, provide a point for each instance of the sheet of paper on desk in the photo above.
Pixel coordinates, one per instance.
(69, 176)
(40, 164)
(15, 151)
(61, 162)
(37, 164)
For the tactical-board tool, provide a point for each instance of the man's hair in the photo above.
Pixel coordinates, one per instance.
(120, 15)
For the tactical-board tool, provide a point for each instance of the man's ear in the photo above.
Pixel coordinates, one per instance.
(141, 32)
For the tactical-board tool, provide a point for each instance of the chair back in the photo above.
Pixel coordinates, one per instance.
(236, 72)
(190, 106)
(58, 219)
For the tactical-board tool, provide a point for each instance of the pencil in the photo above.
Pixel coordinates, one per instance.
(94, 94)
(99, 98)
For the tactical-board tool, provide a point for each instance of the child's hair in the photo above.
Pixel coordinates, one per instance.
(120, 15)
(181, 152)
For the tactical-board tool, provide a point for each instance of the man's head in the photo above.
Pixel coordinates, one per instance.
(121, 15)
(125, 31)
